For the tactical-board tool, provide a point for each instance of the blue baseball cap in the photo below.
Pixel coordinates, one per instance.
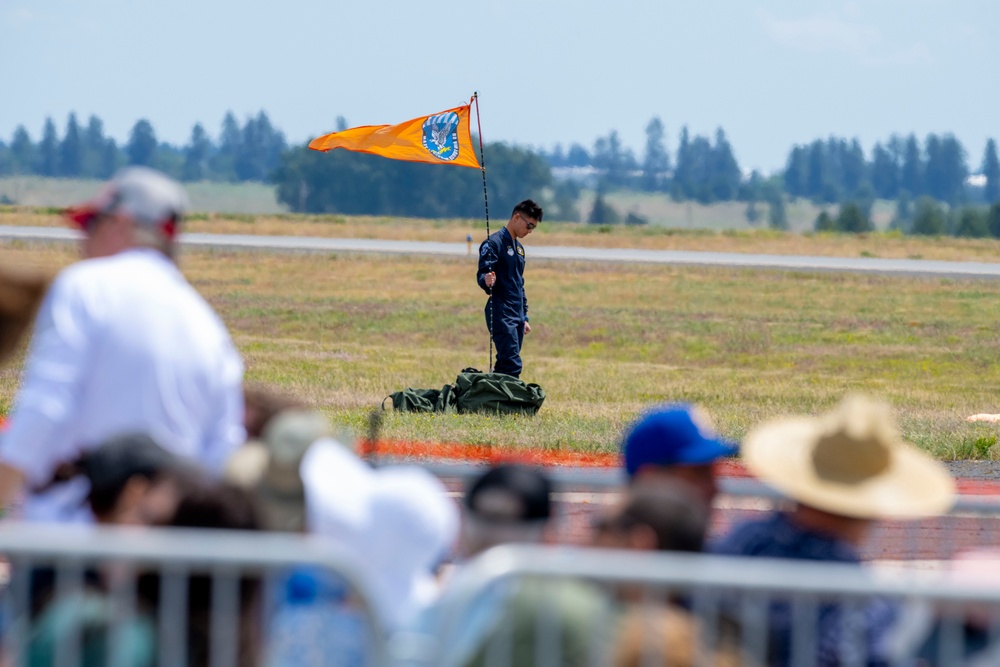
(676, 434)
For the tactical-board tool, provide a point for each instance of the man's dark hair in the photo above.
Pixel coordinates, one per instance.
(109, 467)
(529, 209)
(510, 493)
(677, 517)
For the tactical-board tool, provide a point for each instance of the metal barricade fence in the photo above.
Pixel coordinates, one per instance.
(973, 522)
(701, 610)
(174, 597)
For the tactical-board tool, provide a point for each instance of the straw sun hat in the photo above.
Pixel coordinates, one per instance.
(850, 461)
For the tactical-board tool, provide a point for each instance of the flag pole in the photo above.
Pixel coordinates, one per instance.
(486, 204)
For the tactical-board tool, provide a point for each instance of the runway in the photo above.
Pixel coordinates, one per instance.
(293, 244)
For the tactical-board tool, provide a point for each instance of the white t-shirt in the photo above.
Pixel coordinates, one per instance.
(122, 344)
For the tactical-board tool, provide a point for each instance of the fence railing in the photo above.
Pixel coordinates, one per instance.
(173, 597)
(187, 597)
(755, 611)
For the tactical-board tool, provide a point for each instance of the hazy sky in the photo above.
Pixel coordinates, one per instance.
(771, 73)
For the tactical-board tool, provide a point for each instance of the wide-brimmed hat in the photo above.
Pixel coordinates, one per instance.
(270, 467)
(851, 461)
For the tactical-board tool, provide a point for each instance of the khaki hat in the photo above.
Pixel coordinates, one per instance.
(270, 467)
(21, 292)
(850, 461)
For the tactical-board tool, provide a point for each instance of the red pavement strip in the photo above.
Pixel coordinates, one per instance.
(485, 454)
(927, 540)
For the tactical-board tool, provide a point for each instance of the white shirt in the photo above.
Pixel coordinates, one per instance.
(122, 344)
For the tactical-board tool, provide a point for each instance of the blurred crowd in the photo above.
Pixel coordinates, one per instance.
(133, 411)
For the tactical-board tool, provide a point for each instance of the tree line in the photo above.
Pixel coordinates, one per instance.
(247, 152)
(703, 169)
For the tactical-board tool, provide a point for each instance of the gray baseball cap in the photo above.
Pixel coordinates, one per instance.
(148, 197)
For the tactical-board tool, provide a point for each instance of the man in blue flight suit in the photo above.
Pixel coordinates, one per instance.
(501, 275)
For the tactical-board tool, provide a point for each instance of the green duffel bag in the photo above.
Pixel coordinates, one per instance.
(423, 400)
(496, 393)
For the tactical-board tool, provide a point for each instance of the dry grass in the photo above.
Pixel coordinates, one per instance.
(886, 245)
(345, 331)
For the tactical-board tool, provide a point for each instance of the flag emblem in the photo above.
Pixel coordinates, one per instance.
(440, 136)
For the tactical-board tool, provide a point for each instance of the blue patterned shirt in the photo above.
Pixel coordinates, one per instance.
(776, 536)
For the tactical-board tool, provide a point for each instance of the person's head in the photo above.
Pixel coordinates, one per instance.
(848, 467)
(261, 403)
(21, 292)
(135, 481)
(675, 442)
(138, 207)
(269, 467)
(655, 517)
(509, 503)
(524, 218)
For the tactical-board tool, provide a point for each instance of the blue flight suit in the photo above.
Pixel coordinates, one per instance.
(507, 311)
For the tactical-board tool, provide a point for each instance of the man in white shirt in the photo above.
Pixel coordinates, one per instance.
(122, 344)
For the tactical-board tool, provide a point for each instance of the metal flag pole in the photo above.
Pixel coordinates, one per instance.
(486, 204)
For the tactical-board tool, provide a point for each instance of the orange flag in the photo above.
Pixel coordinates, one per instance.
(443, 138)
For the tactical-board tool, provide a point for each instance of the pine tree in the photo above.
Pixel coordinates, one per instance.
(777, 217)
(71, 150)
(196, 154)
(991, 170)
(111, 158)
(816, 171)
(602, 213)
(142, 144)
(48, 150)
(911, 176)
(724, 171)
(797, 172)
(93, 147)
(22, 152)
(824, 222)
(656, 161)
(680, 186)
(993, 220)
(852, 219)
(929, 218)
(885, 173)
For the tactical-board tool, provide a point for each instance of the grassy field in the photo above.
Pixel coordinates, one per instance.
(660, 210)
(608, 340)
(205, 197)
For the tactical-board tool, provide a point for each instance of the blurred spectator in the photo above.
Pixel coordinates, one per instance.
(512, 504)
(655, 517)
(134, 481)
(665, 636)
(21, 292)
(508, 504)
(675, 442)
(397, 521)
(96, 616)
(122, 343)
(269, 467)
(843, 470)
(261, 404)
(315, 617)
